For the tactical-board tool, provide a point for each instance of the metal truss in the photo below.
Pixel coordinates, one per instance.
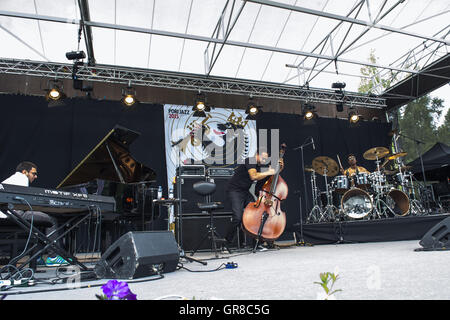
(417, 58)
(185, 81)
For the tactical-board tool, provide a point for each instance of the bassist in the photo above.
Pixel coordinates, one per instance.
(239, 185)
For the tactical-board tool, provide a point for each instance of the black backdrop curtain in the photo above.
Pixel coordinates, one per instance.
(57, 139)
(332, 137)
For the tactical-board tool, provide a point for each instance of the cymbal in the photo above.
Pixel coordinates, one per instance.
(309, 169)
(374, 153)
(396, 155)
(323, 163)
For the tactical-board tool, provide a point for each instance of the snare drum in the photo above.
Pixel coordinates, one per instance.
(340, 184)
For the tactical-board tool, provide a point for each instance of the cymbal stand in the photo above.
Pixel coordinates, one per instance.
(329, 208)
(378, 182)
(399, 161)
(314, 215)
(380, 207)
(416, 207)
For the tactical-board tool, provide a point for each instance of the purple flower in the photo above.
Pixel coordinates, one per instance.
(117, 290)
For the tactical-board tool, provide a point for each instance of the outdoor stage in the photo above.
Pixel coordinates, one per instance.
(387, 229)
(375, 260)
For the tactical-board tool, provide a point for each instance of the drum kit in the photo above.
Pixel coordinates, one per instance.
(380, 194)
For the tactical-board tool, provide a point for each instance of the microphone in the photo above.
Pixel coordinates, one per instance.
(314, 146)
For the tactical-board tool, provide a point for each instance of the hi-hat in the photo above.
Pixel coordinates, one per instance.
(324, 165)
(309, 169)
(375, 153)
(402, 168)
(396, 155)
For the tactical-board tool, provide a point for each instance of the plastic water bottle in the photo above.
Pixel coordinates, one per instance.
(171, 193)
(159, 192)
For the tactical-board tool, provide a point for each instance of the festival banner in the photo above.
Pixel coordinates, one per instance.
(221, 138)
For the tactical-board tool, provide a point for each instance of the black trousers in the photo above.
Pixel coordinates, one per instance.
(239, 200)
(44, 218)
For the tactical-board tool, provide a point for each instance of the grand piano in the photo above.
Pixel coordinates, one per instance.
(110, 170)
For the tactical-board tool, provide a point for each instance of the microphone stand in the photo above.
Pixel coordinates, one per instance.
(180, 211)
(417, 143)
(302, 242)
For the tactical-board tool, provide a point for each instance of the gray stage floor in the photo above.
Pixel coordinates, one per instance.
(367, 271)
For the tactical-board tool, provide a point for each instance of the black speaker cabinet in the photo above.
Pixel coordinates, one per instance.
(194, 228)
(438, 237)
(188, 193)
(220, 194)
(139, 254)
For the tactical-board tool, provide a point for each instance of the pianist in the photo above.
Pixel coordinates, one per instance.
(26, 173)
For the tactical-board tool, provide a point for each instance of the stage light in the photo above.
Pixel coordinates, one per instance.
(129, 100)
(54, 94)
(338, 85)
(309, 111)
(252, 109)
(353, 116)
(128, 96)
(309, 115)
(75, 55)
(54, 90)
(200, 107)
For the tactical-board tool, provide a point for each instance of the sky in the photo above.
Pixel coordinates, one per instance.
(257, 24)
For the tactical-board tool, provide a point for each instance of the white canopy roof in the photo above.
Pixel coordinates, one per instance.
(299, 42)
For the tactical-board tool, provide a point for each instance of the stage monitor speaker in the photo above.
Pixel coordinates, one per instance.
(139, 254)
(438, 237)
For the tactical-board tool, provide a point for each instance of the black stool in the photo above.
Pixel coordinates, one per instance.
(206, 189)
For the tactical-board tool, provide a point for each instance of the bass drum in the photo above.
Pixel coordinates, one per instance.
(356, 203)
(398, 202)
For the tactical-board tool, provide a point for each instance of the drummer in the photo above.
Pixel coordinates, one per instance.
(354, 168)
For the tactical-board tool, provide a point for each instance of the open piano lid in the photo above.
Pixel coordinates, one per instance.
(111, 160)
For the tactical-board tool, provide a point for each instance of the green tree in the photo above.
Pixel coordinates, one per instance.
(443, 132)
(417, 123)
(372, 81)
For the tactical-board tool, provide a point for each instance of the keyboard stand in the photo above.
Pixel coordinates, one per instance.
(40, 237)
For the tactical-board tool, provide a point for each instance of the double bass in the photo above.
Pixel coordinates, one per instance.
(264, 219)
